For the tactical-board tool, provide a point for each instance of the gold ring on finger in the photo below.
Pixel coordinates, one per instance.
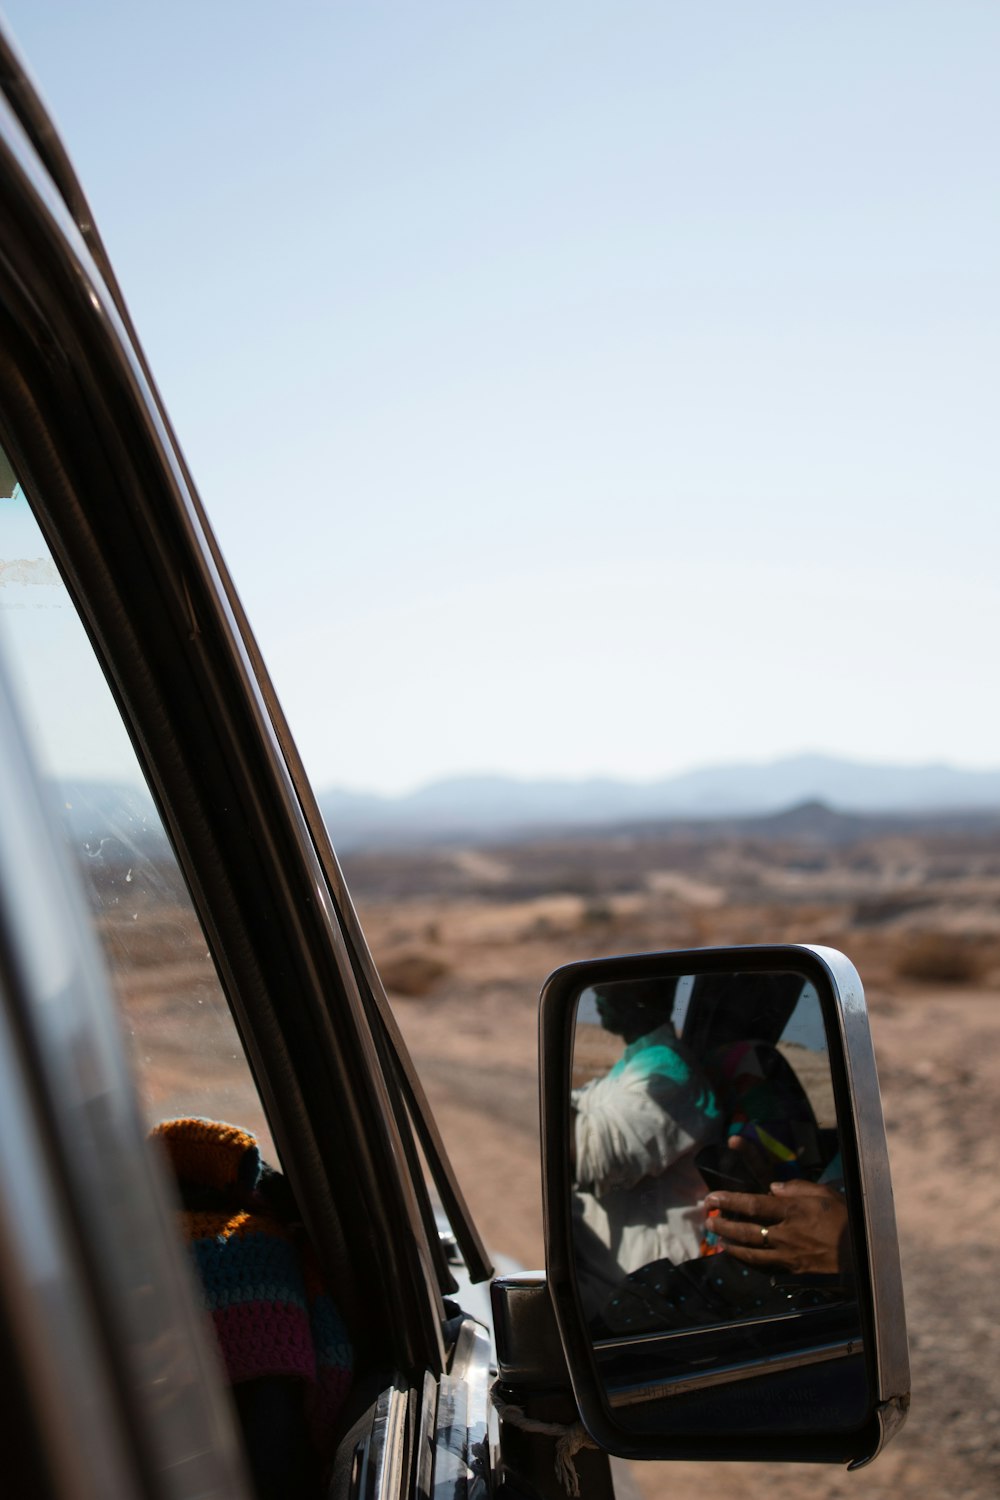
(763, 1233)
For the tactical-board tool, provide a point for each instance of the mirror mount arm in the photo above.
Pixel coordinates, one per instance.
(534, 1380)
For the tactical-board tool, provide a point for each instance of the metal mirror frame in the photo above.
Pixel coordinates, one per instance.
(867, 1185)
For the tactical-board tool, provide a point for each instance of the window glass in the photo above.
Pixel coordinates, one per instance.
(187, 1053)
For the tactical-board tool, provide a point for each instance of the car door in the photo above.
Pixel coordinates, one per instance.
(111, 1385)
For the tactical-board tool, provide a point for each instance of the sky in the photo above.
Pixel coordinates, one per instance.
(575, 389)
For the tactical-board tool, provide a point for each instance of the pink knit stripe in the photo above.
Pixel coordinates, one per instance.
(265, 1338)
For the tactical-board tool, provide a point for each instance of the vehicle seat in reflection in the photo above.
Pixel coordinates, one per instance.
(286, 1350)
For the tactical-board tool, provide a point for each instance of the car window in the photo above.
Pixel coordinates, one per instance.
(187, 1053)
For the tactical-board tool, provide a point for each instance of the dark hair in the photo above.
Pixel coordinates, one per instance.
(632, 1007)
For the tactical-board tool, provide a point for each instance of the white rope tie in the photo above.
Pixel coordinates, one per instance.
(569, 1440)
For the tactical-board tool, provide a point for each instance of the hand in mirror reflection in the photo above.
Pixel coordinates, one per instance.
(799, 1227)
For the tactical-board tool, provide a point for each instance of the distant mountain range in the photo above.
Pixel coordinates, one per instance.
(117, 823)
(485, 807)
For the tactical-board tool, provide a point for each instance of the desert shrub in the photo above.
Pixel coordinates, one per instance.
(597, 913)
(541, 927)
(412, 972)
(939, 956)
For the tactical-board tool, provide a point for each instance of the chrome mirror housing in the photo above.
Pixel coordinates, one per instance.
(720, 1235)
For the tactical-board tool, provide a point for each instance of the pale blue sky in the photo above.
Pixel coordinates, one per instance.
(574, 388)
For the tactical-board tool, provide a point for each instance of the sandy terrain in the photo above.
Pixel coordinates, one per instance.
(938, 1046)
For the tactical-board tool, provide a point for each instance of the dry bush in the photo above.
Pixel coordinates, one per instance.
(412, 972)
(597, 913)
(939, 957)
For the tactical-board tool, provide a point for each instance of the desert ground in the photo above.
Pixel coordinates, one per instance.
(464, 938)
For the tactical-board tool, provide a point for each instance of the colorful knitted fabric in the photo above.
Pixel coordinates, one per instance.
(765, 1103)
(272, 1313)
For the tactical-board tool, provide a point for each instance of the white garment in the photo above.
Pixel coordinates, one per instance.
(639, 1196)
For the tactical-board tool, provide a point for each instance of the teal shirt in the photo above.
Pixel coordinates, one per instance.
(660, 1053)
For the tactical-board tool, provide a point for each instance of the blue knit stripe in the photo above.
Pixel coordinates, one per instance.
(217, 1298)
(256, 1267)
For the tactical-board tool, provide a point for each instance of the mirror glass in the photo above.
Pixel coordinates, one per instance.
(710, 1221)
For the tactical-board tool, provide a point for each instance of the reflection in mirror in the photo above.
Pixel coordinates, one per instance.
(708, 1189)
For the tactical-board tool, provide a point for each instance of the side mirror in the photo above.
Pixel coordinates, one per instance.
(720, 1235)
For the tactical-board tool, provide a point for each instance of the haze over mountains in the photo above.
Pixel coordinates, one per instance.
(118, 822)
(498, 806)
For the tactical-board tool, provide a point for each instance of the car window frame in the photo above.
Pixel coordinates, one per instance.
(23, 100)
(86, 433)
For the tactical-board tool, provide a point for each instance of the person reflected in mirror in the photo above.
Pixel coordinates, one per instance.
(635, 1130)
